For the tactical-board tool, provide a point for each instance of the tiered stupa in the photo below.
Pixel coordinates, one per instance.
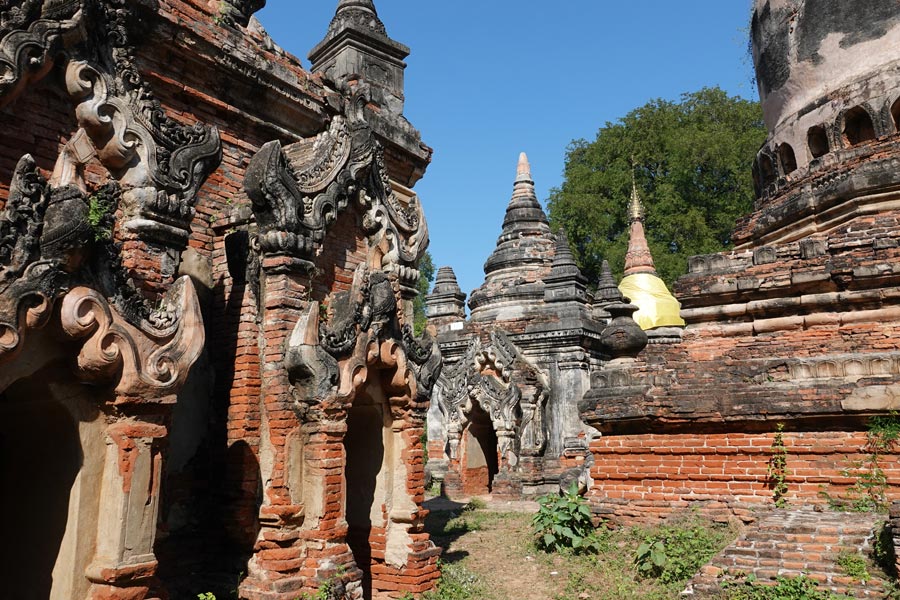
(799, 325)
(504, 415)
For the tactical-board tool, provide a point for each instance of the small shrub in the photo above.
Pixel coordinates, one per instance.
(796, 588)
(101, 206)
(869, 492)
(206, 596)
(476, 504)
(563, 523)
(853, 565)
(676, 552)
(777, 471)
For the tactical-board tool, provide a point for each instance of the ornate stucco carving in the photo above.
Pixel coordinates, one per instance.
(51, 254)
(34, 260)
(45, 239)
(144, 361)
(165, 161)
(299, 190)
(238, 12)
(507, 386)
(328, 359)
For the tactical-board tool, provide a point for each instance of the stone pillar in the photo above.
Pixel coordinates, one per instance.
(124, 563)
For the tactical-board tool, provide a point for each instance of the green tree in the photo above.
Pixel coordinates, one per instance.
(426, 276)
(692, 162)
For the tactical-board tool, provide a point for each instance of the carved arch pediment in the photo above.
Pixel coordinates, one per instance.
(511, 389)
(298, 191)
(328, 361)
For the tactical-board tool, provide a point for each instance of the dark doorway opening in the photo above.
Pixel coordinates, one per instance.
(787, 158)
(817, 139)
(364, 444)
(40, 457)
(481, 460)
(858, 126)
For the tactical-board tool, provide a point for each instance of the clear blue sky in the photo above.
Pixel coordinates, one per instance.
(488, 79)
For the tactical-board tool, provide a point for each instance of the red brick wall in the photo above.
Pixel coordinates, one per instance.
(641, 478)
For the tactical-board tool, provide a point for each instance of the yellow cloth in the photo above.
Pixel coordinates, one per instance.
(658, 307)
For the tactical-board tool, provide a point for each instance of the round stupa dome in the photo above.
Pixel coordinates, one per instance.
(829, 79)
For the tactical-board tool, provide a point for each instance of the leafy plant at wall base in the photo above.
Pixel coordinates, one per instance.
(796, 588)
(563, 523)
(869, 493)
(853, 565)
(456, 583)
(206, 596)
(675, 552)
(777, 471)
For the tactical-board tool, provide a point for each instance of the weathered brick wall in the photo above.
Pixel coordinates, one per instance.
(806, 333)
(642, 478)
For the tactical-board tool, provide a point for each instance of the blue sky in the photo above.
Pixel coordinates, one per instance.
(488, 79)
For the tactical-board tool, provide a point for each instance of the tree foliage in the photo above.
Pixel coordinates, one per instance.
(426, 276)
(692, 162)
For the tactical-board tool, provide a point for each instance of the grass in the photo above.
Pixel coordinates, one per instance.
(491, 556)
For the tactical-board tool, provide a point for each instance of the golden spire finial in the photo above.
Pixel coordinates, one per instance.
(635, 207)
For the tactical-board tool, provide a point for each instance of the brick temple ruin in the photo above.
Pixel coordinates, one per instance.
(208, 257)
(799, 325)
(504, 415)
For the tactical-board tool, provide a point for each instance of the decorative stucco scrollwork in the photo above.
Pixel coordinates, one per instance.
(29, 45)
(29, 282)
(141, 146)
(329, 358)
(143, 361)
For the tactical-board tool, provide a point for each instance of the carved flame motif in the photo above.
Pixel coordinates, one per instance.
(148, 362)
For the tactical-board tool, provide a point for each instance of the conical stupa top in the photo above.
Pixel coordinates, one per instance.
(638, 259)
(607, 290)
(657, 307)
(635, 207)
(564, 265)
(357, 15)
(526, 238)
(563, 257)
(445, 282)
(524, 210)
(366, 5)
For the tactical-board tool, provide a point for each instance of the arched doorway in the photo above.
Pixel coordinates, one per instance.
(480, 461)
(367, 477)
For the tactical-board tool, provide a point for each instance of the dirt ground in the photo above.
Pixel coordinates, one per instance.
(494, 544)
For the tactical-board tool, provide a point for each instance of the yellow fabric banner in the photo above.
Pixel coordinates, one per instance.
(658, 307)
